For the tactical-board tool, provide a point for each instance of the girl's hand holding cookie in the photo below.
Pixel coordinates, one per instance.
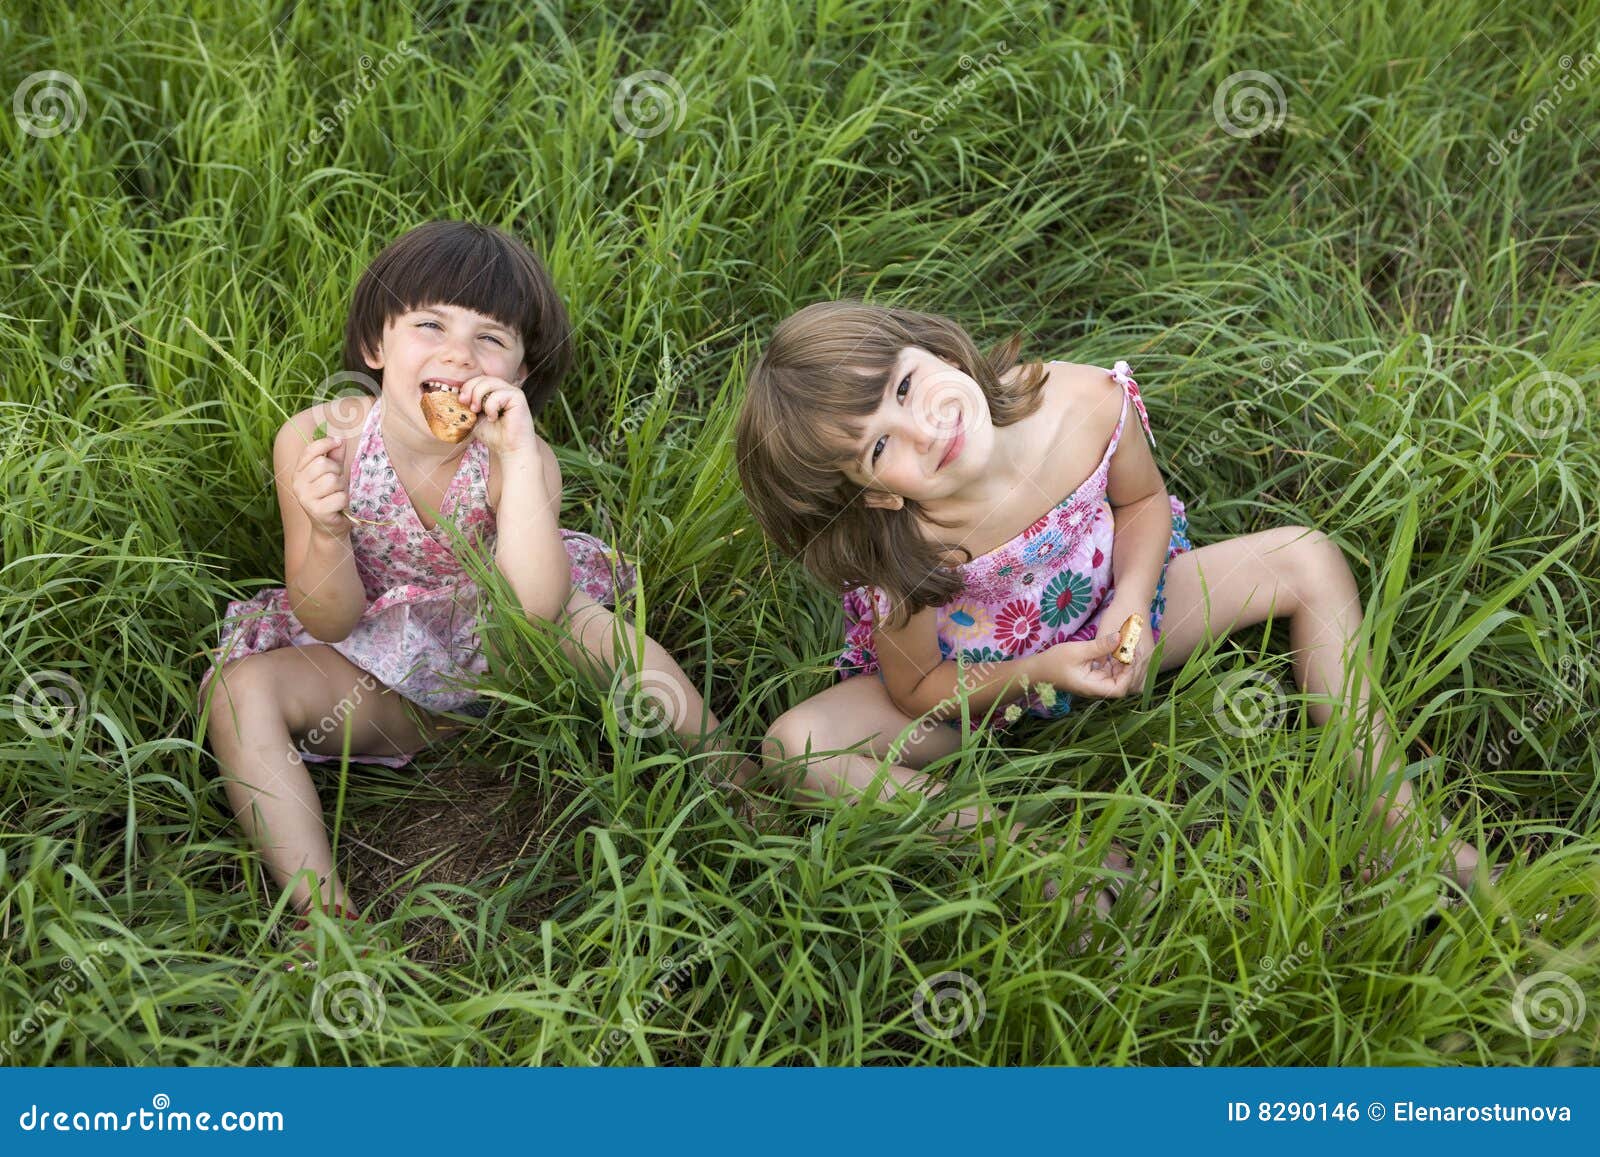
(505, 423)
(318, 485)
(1086, 667)
(1132, 654)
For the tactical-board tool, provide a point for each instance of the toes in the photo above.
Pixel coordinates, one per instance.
(1469, 865)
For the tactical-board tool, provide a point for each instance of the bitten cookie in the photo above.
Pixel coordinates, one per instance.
(448, 420)
(1128, 637)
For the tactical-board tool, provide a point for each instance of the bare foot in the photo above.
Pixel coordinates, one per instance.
(303, 954)
(739, 776)
(1403, 831)
(1100, 897)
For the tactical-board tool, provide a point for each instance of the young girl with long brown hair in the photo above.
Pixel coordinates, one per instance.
(990, 526)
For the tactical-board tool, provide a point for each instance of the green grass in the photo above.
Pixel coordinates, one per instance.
(1339, 321)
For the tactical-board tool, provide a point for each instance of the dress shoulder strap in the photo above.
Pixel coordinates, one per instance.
(1124, 378)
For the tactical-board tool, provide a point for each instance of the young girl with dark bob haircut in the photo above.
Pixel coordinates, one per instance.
(374, 633)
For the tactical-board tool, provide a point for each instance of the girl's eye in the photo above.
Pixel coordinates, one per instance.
(432, 323)
(899, 395)
(494, 339)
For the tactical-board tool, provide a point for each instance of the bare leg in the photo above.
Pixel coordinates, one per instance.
(858, 713)
(1301, 573)
(259, 706)
(656, 692)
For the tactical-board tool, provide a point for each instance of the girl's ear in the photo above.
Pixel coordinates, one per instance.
(881, 501)
(374, 357)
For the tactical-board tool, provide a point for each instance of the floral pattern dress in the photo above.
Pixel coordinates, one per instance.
(1046, 586)
(418, 634)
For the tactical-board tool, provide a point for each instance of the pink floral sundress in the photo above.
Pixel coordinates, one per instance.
(1047, 585)
(418, 634)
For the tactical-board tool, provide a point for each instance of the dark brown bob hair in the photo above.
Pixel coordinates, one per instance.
(470, 266)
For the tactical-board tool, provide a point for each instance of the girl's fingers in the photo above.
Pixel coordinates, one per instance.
(317, 449)
(475, 391)
(482, 392)
(494, 402)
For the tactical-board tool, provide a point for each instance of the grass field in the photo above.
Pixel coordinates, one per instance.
(1352, 265)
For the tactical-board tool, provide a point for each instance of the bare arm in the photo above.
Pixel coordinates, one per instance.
(1142, 514)
(324, 589)
(528, 549)
(920, 682)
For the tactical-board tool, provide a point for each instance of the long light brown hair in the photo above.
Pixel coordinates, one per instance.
(822, 374)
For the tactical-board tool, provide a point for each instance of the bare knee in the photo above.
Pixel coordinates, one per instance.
(238, 690)
(588, 633)
(791, 738)
(1307, 564)
(1320, 573)
(285, 689)
(786, 738)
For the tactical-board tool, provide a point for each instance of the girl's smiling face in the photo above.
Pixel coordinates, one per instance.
(446, 344)
(930, 437)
